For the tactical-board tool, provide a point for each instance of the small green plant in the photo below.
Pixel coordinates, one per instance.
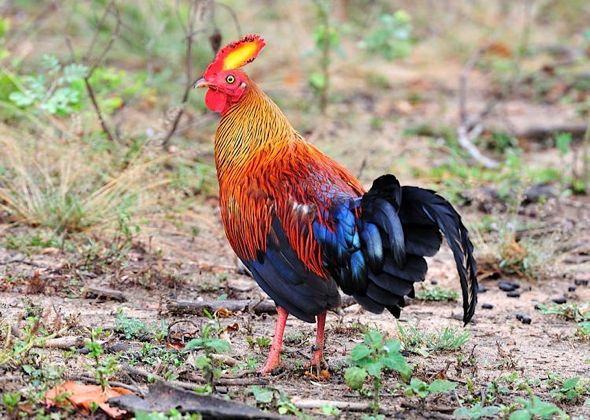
(534, 407)
(569, 311)
(326, 39)
(130, 327)
(265, 397)
(369, 360)
(104, 368)
(436, 293)
(571, 390)
(421, 342)
(330, 410)
(263, 342)
(133, 328)
(11, 401)
(476, 411)
(583, 330)
(58, 91)
(421, 389)
(173, 414)
(205, 362)
(391, 38)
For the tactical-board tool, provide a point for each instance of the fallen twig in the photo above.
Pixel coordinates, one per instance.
(62, 343)
(199, 307)
(91, 292)
(84, 378)
(542, 131)
(225, 359)
(342, 405)
(266, 306)
(198, 379)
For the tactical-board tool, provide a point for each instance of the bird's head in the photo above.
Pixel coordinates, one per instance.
(225, 82)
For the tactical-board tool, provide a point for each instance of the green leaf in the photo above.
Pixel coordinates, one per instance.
(392, 346)
(195, 343)
(521, 415)
(261, 394)
(571, 383)
(562, 142)
(215, 344)
(418, 387)
(218, 345)
(202, 362)
(373, 338)
(73, 72)
(476, 412)
(359, 352)
(317, 81)
(397, 362)
(355, 377)
(50, 62)
(439, 386)
(374, 368)
(330, 410)
(21, 99)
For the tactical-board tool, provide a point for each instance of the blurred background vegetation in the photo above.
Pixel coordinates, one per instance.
(103, 138)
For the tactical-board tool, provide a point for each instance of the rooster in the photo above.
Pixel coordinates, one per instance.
(304, 226)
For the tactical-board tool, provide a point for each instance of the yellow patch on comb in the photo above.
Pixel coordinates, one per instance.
(236, 54)
(242, 55)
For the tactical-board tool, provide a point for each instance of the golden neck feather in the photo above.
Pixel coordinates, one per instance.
(249, 127)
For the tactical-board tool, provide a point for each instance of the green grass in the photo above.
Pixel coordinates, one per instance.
(437, 294)
(422, 342)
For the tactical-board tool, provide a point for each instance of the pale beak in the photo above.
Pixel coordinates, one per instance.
(201, 83)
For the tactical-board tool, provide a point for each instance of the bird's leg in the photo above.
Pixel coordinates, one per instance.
(318, 348)
(274, 356)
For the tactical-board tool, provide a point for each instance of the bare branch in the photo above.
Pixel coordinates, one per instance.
(110, 8)
(470, 125)
(98, 111)
(189, 34)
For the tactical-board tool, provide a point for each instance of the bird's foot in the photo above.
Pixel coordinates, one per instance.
(316, 363)
(271, 364)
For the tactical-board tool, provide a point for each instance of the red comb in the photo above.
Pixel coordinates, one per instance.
(236, 54)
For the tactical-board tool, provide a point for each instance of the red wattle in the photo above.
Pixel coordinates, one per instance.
(215, 100)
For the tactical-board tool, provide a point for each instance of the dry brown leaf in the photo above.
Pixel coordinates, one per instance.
(223, 313)
(83, 396)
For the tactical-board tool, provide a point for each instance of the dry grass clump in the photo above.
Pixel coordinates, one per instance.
(65, 185)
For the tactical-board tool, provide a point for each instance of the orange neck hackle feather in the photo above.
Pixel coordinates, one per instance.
(264, 169)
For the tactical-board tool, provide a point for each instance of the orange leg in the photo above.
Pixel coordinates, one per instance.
(274, 356)
(318, 348)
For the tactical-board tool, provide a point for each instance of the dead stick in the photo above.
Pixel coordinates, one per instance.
(246, 305)
(104, 293)
(199, 308)
(192, 385)
(62, 343)
(84, 378)
(343, 405)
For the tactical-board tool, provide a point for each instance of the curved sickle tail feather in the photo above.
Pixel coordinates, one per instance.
(398, 228)
(427, 207)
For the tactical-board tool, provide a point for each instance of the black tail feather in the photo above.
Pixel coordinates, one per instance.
(438, 212)
(409, 223)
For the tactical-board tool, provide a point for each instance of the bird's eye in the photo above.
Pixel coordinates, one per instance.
(230, 79)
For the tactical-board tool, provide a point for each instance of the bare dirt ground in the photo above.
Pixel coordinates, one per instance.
(500, 344)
